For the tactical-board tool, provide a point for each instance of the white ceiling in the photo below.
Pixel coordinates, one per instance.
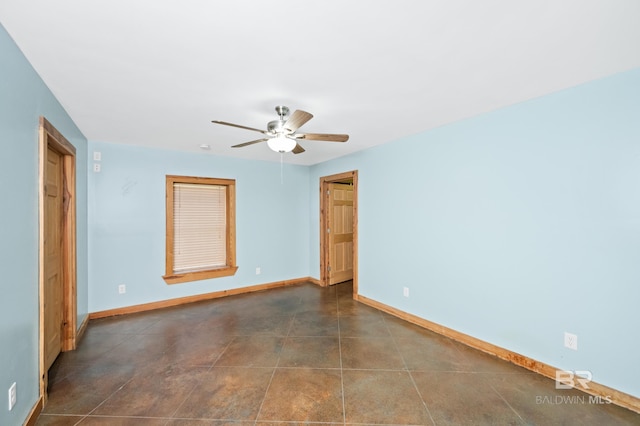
(156, 72)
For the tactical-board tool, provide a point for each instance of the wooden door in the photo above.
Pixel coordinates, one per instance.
(53, 256)
(340, 232)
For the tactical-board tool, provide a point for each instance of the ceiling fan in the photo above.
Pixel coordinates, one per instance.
(281, 134)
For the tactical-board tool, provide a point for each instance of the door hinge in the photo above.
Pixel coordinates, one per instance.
(329, 268)
(328, 230)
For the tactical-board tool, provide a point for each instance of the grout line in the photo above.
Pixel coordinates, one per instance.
(266, 392)
(284, 344)
(208, 370)
(507, 402)
(112, 394)
(344, 407)
(406, 368)
(109, 416)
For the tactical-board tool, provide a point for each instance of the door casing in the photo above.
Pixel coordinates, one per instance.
(49, 136)
(346, 177)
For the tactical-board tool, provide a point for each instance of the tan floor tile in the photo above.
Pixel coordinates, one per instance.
(382, 397)
(227, 393)
(304, 395)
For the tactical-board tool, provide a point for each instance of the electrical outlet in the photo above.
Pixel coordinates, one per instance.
(405, 291)
(122, 289)
(13, 396)
(570, 341)
(258, 271)
(96, 167)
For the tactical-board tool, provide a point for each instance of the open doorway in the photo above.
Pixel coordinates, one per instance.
(339, 229)
(57, 247)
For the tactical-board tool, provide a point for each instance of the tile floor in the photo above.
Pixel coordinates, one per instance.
(296, 355)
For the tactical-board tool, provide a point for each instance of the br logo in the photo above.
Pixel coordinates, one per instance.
(567, 379)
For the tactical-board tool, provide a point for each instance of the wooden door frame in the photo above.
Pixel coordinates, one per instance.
(49, 136)
(350, 177)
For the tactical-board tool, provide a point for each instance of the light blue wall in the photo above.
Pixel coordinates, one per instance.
(127, 223)
(514, 227)
(23, 99)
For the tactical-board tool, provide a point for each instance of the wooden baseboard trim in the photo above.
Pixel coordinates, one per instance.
(616, 397)
(196, 298)
(35, 412)
(81, 330)
(315, 281)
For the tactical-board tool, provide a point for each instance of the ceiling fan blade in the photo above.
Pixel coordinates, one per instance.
(322, 137)
(240, 145)
(298, 149)
(297, 119)
(239, 126)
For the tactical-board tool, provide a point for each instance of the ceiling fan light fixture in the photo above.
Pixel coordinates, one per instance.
(281, 143)
(281, 134)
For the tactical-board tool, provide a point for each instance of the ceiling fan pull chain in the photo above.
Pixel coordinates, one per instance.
(281, 165)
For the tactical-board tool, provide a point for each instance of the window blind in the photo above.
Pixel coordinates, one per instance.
(200, 222)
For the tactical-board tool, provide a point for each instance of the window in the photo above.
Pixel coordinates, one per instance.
(200, 228)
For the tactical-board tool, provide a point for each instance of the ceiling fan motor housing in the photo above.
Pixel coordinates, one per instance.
(276, 126)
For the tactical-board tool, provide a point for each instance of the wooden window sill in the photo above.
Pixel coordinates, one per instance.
(200, 275)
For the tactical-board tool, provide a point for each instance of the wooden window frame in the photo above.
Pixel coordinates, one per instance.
(230, 268)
